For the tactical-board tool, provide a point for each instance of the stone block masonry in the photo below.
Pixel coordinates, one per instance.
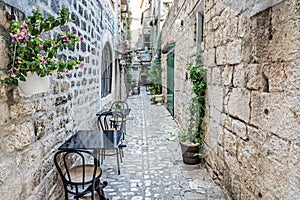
(254, 153)
(252, 58)
(32, 128)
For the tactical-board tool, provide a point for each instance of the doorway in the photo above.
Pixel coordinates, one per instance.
(170, 81)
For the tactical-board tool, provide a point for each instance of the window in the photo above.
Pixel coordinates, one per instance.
(199, 30)
(106, 71)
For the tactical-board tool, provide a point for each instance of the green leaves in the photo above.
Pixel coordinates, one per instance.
(154, 75)
(38, 54)
(193, 133)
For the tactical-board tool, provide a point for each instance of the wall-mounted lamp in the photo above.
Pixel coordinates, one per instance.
(179, 22)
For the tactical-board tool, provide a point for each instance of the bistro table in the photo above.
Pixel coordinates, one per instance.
(95, 140)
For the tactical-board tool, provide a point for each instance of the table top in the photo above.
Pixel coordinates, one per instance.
(125, 112)
(93, 139)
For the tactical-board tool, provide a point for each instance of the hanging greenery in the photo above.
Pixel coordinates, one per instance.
(33, 53)
(154, 75)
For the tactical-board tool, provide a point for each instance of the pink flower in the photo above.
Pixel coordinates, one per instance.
(81, 65)
(42, 47)
(56, 46)
(24, 35)
(13, 37)
(11, 71)
(24, 26)
(81, 38)
(67, 71)
(19, 36)
(66, 39)
(43, 61)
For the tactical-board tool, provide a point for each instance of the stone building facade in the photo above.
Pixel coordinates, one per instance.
(252, 56)
(33, 127)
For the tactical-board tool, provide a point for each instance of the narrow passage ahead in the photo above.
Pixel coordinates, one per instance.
(152, 166)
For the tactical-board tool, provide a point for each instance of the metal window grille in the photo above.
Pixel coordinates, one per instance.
(106, 71)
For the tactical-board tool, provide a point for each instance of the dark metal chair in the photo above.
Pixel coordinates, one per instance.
(121, 106)
(80, 173)
(124, 108)
(112, 120)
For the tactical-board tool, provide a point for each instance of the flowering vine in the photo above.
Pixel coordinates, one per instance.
(32, 53)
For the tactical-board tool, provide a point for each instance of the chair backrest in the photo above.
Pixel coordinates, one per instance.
(111, 120)
(121, 106)
(79, 171)
(106, 107)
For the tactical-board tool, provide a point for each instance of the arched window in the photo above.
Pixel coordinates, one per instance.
(106, 71)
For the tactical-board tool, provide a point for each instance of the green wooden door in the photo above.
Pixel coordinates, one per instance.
(170, 82)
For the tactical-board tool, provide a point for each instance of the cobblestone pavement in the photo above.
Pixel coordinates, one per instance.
(152, 166)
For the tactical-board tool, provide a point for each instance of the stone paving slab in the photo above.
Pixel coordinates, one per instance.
(152, 166)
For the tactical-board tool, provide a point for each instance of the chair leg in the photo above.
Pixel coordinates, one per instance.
(99, 189)
(77, 198)
(66, 195)
(124, 130)
(101, 194)
(92, 195)
(122, 152)
(102, 155)
(118, 161)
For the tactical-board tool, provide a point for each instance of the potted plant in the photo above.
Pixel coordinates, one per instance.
(191, 137)
(34, 52)
(154, 77)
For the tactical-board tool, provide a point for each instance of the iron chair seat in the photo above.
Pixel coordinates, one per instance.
(78, 175)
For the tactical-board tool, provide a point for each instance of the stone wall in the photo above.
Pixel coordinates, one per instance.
(185, 52)
(32, 128)
(253, 99)
(252, 118)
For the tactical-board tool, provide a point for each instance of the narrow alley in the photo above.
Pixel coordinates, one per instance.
(152, 166)
(221, 73)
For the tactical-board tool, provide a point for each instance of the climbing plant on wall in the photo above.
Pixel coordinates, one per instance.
(197, 74)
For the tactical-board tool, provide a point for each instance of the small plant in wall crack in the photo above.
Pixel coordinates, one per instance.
(32, 53)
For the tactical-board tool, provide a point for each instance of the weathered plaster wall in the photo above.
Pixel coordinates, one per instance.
(252, 119)
(32, 128)
(253, 99)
